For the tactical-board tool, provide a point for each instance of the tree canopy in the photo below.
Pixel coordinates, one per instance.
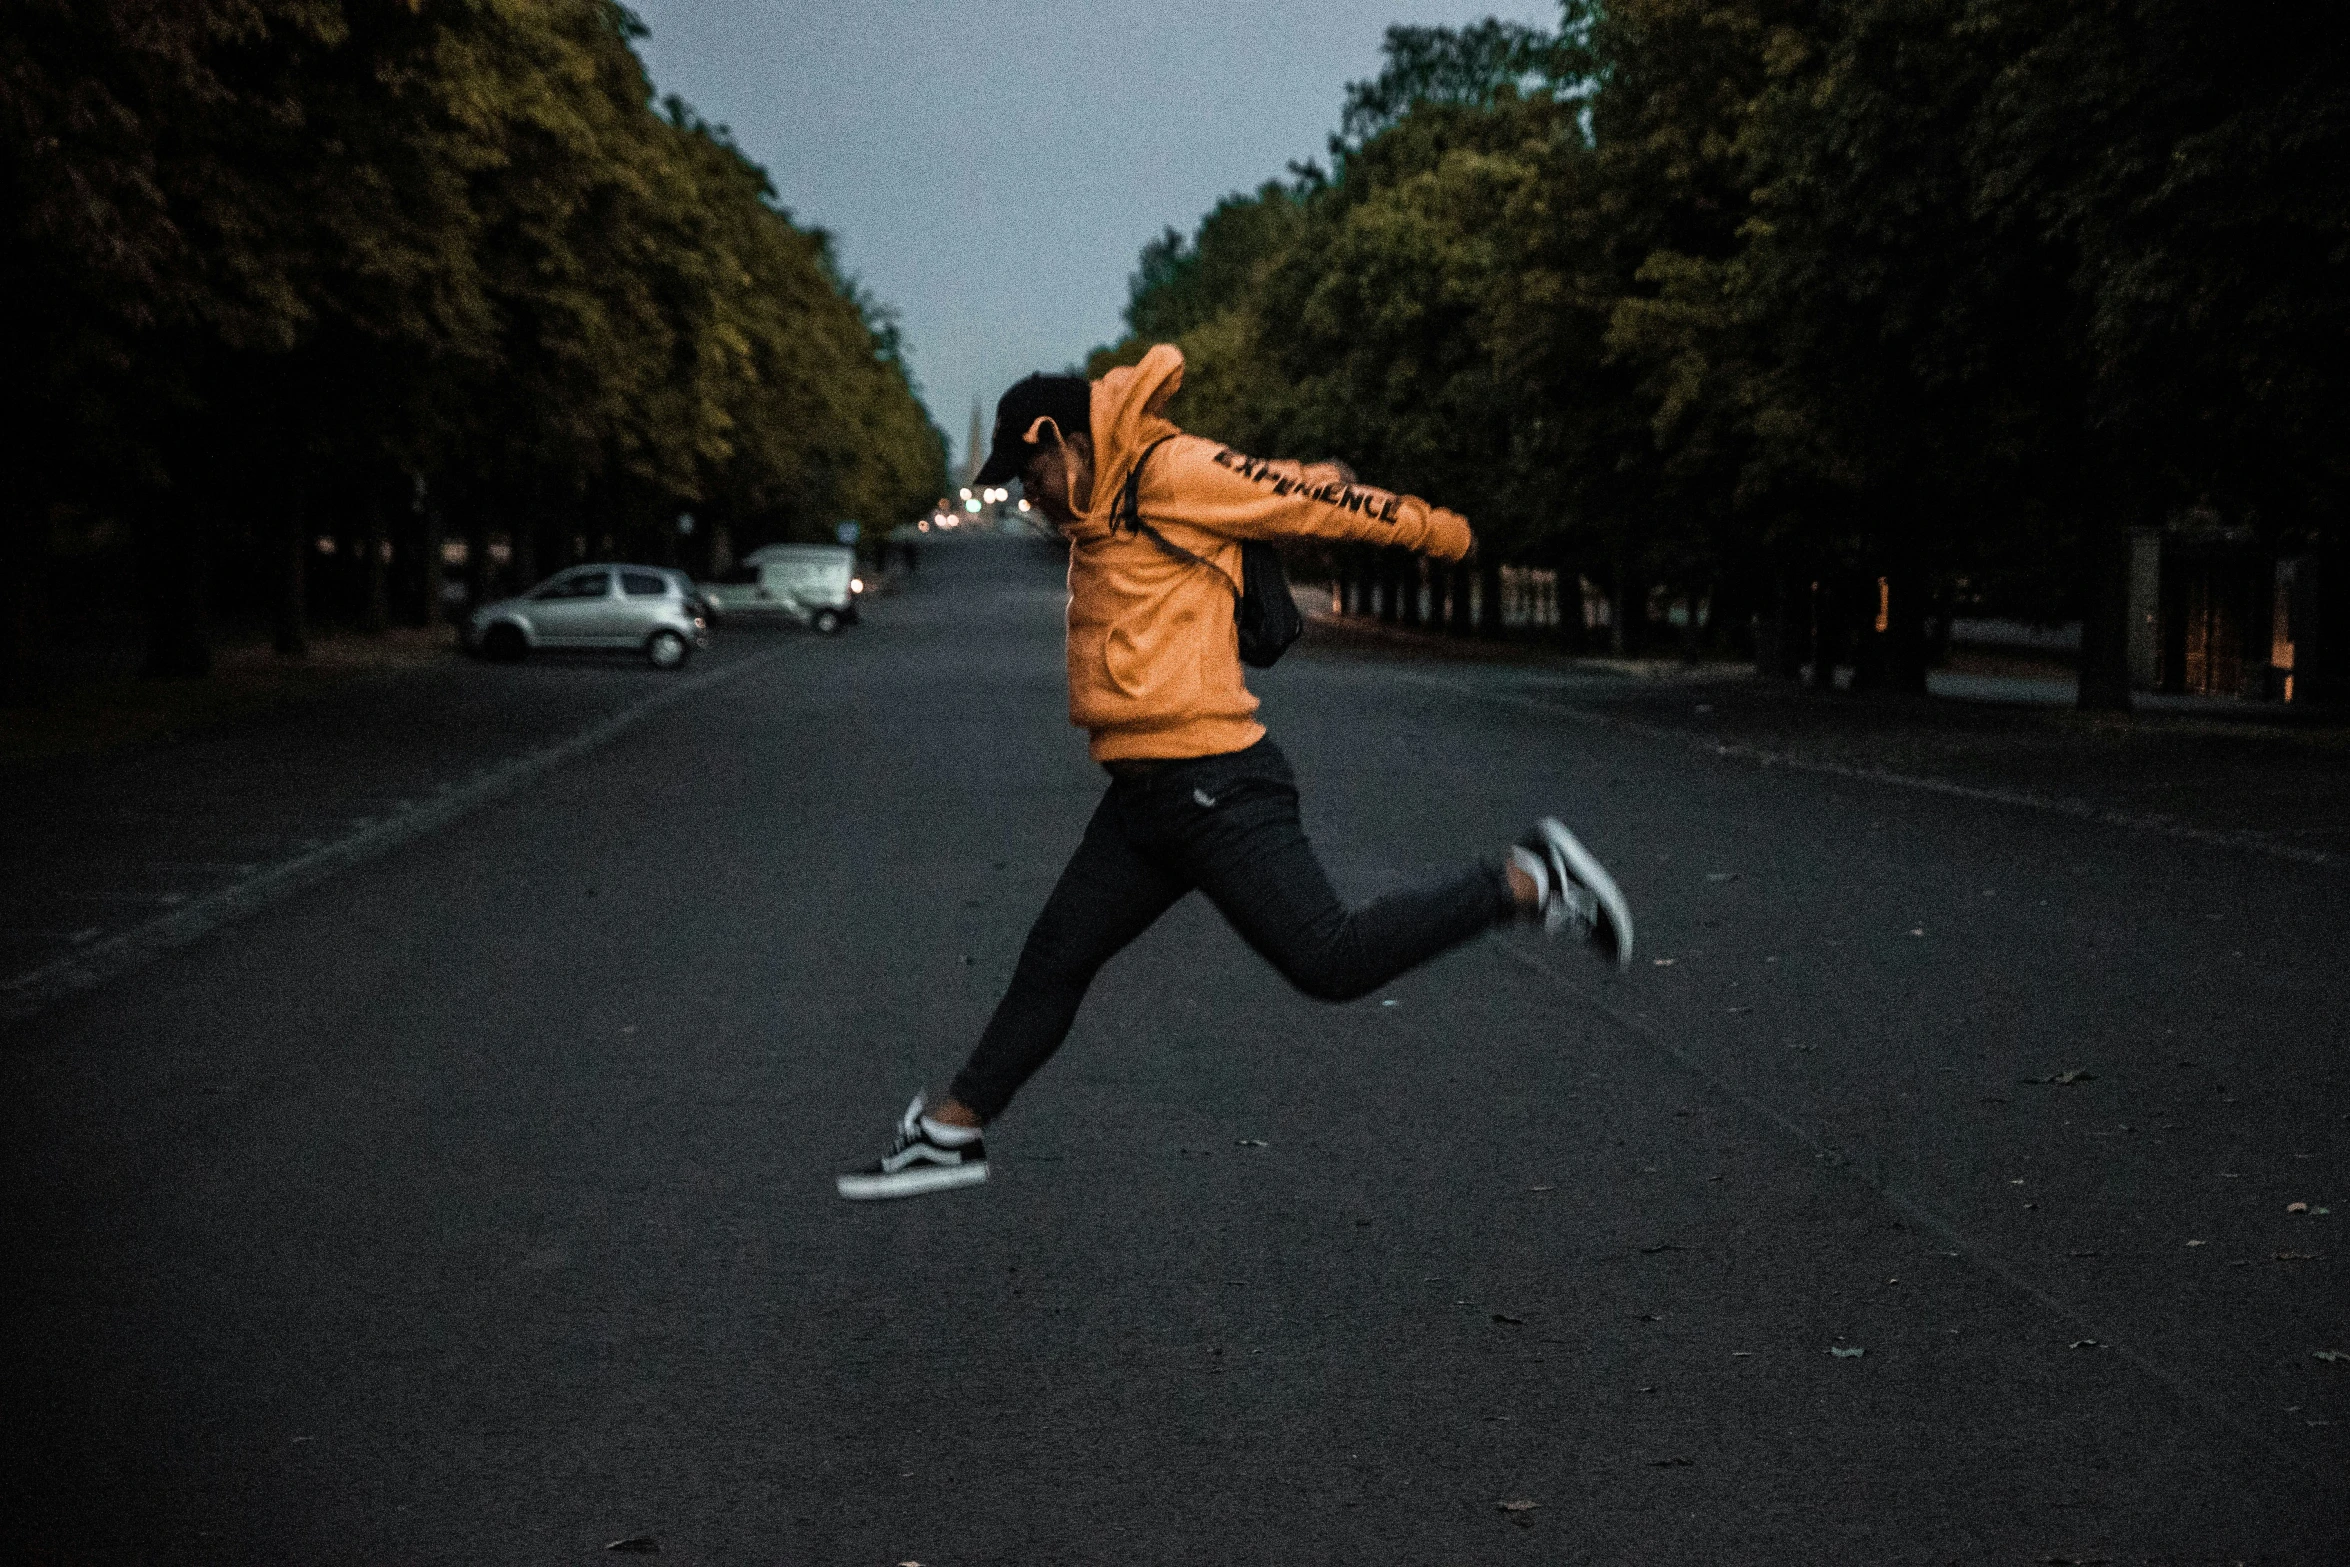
(280, 270)
(1742, 300)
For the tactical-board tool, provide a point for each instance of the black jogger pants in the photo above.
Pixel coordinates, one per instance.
(1227, 825)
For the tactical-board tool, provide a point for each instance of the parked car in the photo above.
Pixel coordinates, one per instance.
(696, 594)
(815, 584)
(647, 609)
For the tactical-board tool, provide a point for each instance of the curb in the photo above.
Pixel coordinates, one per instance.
(31, 993)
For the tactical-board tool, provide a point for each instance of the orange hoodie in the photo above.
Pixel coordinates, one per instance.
(1154, 651)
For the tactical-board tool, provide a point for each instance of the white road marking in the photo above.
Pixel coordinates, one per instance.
(101, 961)
(2080, 810)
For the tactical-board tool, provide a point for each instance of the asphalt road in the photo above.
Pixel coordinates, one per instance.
(473, 1203)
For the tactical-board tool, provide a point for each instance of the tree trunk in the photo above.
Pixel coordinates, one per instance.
(477, 553)
(431, 534)
(1489, 599)
(24, 600)
(1781, 634)
(1408, 575)
(1462, 620)
(375, 610)
(174, 593)
(2105, 619)
(1572, 634)
(1390, 586)
(1622, 636)
(1830, 628)
(292, 584)
(523, 547)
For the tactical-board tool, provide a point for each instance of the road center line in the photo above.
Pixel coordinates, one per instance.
(102, 961)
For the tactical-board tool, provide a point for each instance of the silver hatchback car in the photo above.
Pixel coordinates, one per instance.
(647, 609)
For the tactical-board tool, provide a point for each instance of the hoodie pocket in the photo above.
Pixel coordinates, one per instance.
(1155, 663)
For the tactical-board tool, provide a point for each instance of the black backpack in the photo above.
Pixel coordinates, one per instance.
(1262, 606)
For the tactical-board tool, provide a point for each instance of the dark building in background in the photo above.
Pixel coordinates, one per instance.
(2216, 611)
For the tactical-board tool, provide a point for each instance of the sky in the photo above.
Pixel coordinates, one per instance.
(991, 169)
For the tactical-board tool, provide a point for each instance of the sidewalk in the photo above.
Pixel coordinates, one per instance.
(2263, 772)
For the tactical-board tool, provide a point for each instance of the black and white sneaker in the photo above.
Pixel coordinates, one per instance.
(1576, 890)
(927, 1157)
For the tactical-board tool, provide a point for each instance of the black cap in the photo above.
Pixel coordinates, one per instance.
(1067, 400)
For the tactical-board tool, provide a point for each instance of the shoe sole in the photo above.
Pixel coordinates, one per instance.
(909, 1183)
(1594, 875)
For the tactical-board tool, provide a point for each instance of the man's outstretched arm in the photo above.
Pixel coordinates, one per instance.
(1201, 484)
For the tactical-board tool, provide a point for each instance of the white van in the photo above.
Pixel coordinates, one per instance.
(816, 584)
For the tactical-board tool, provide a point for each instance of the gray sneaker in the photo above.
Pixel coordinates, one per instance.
(1577, 891)
(916, 1163)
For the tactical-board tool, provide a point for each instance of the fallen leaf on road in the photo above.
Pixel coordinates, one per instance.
(2337, 1357)
(1650, 1251)
(1742, 1354)
(1847, 1352)
(1517, 1507)
(1721, 876)
(1740, 1011)
(2063, 1078)
(637, 1545)
(2296, 1207)
(2194, 1243)
(2084, 1343)
(1917, 930)
(1664, 962)
(1515, 1322)
(1669, 1463)
(1542, 1188)
(1250, 1142)
(2296, 1256)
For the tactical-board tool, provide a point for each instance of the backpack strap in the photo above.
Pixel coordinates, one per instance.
(1129, 509)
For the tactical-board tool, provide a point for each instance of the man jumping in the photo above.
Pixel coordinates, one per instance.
(1199, 797)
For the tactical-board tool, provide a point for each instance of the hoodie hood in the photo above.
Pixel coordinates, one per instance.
(1129, 412)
